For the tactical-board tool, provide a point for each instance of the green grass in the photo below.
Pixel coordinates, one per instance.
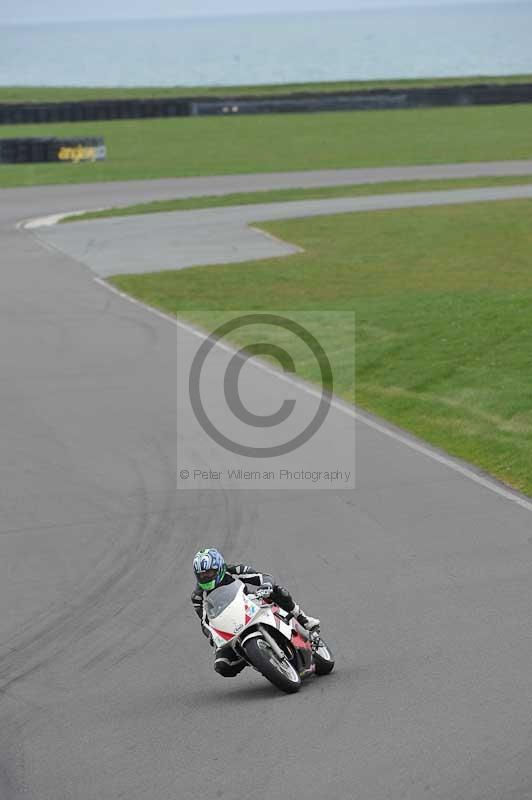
(42, 94)
(284, 195)
(443, 299)
(158, 148)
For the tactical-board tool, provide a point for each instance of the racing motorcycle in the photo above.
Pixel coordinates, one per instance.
(268, 638)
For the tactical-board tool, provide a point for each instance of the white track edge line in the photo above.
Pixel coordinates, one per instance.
(54, 219)
(339, 405)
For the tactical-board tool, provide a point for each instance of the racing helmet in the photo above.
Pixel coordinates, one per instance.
(209, 568)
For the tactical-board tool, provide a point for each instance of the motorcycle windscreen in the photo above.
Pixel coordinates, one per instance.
(219, 599)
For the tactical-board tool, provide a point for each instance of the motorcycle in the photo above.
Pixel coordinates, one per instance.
(269, 639)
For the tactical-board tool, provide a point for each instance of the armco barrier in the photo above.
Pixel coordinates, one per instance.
(31, 151)
(369, 100)
(421, 97)
(291, 105)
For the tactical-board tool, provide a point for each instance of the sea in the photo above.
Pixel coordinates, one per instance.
(380, 43)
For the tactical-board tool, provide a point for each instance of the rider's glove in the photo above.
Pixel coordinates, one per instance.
(264, 590)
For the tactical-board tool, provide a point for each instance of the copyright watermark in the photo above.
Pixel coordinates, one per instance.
(335, 477)
(257, 404)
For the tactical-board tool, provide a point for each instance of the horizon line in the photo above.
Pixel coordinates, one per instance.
(367, 5)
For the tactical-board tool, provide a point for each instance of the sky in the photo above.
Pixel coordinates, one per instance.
(19, 11)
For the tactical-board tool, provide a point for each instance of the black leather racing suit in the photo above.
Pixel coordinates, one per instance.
(226, 661)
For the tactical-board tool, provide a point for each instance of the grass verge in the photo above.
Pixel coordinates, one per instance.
(56, 94)
(444, 317)
(284, 195)
(161, 148)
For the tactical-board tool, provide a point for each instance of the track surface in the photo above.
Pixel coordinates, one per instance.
(421, 578)
(180, 239)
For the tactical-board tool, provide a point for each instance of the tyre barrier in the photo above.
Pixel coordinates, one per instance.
(368, 100)
(92, 110)
(34, 150)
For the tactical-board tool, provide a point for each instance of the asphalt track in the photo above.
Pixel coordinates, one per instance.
(181, 239)
(421, 577)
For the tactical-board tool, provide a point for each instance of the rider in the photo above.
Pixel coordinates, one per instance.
(211, 571)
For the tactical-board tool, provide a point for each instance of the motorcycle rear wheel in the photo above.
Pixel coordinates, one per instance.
(281, 673)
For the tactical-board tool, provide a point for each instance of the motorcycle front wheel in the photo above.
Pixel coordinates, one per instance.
(281, 673)
(323, 659)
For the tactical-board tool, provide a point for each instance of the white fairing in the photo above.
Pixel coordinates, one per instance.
(230, 611)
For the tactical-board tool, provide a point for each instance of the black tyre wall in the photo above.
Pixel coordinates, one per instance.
(304, 101)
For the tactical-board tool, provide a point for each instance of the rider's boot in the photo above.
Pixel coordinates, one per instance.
(309, 623)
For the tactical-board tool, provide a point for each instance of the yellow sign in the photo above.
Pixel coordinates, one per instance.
(81, 153)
